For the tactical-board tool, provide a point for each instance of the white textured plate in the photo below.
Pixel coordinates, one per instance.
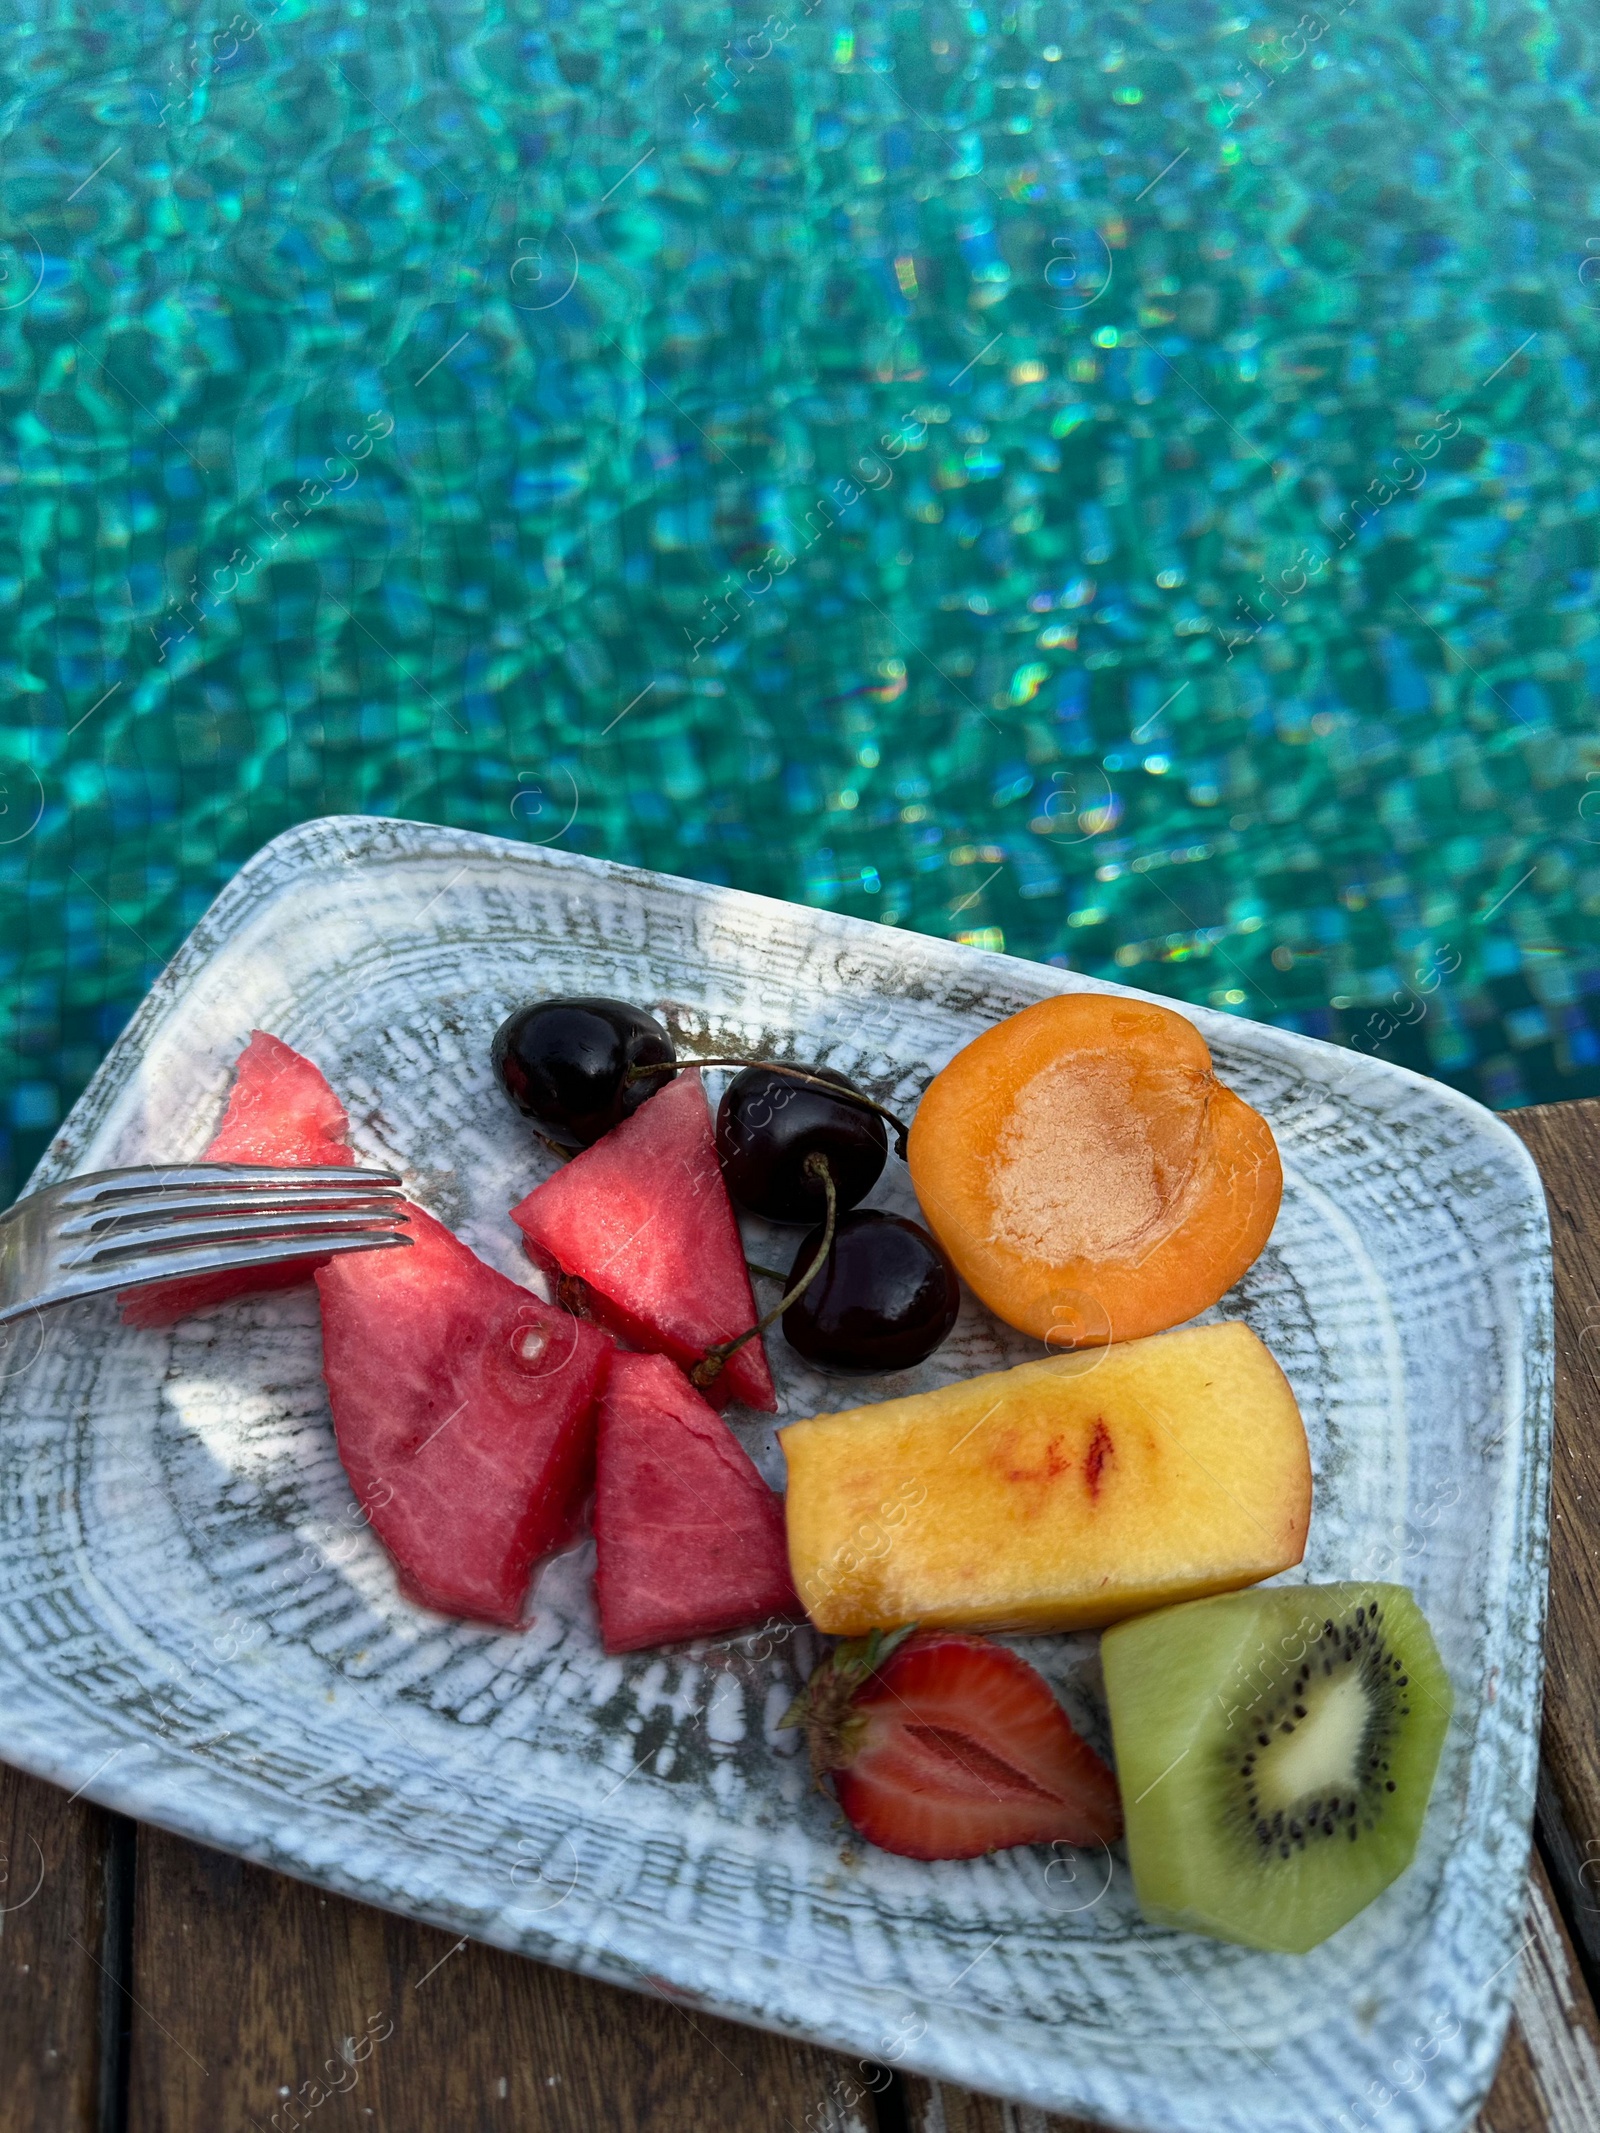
(195, 1627)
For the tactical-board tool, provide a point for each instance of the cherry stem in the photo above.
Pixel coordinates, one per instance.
(845, 1094)
(706, 1369)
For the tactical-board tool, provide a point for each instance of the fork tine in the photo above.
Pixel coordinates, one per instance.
(303, 1232)
(269, 1252)
(105, 1217)
(209, 1259)
(217, 1177)
(204, 1259)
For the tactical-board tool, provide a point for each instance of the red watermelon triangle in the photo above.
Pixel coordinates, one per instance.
(644, 1219)
(280, 1110)
(465, 1415)
(689, 1540)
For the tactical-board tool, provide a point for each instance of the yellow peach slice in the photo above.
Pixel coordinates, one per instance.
(1064, 1494)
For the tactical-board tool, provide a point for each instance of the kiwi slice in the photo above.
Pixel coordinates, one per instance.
(1275, 1751)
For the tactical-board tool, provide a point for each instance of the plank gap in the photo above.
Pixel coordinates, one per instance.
(116, 1981)
(1575, 1900)
(892, 2105)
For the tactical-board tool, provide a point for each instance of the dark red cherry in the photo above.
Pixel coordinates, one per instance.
(768, 1123)
(885, 1298)
(565, 1064)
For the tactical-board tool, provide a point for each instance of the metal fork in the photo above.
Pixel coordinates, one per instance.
(121, 1229)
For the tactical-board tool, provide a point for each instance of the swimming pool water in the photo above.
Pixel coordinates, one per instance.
(1115, 483)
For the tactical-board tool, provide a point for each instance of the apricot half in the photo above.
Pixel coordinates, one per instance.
(1089, 1175)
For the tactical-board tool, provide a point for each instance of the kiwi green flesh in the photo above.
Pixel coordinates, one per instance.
(1275, 1751)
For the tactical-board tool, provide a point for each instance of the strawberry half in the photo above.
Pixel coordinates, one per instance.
(943, 1746)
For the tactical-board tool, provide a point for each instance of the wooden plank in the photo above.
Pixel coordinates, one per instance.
(257, 1996)
(1564, 1140)
(55, 1855)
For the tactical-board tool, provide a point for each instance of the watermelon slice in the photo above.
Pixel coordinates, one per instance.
(689, 1539)
(280, 1110)
(464, 1409)
(644, 1220)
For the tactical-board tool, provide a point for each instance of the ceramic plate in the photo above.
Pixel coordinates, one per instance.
(196, 1628)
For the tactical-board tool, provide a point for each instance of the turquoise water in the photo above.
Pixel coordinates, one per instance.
(1114, 483)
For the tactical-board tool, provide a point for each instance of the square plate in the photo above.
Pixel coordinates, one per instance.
(196, 1629)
